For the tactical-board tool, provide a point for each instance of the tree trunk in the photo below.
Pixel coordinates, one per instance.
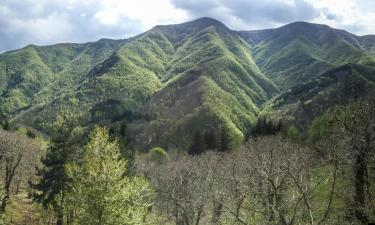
(5, 199)
(199, 214)
(359, 187)
(218, 206)
(4, 202)
(59, 219)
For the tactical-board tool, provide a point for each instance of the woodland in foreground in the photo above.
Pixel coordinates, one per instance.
(278, 176)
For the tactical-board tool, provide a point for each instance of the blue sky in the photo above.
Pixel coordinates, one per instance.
(43, 22)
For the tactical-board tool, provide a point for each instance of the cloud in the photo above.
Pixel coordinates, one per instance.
(42, 22)
(250, 14)
(355, 15)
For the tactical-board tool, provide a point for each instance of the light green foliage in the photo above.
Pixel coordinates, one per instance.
(181, 77)
(293, 133)
(35, 75)
(100, 192)
(299, 51)
(158, 154)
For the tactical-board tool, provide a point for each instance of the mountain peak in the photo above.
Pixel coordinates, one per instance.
(305, 26)
(199, 23)
(207, 20)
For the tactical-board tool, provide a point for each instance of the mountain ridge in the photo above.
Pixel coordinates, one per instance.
(173, 80)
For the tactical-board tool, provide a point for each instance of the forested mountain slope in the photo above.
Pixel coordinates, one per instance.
(302, 103)
(300, 51)
(37, 74)
(176, 80)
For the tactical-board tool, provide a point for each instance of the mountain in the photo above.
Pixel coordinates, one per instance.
(300, 51)
(174, 81)
(34, 74)
(301, 104)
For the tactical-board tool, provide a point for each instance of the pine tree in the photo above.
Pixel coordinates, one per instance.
(54, 182)
(210, 140)
(100, 192)
(119, 131)
(198, 144)
(224, 140)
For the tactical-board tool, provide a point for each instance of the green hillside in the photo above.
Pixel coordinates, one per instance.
(35, 75)
(152, 70)
(302, 103)
(174, 81)
(294, 53)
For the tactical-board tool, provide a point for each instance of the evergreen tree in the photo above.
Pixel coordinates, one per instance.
(265, 126)
(198, 144)
(100, 192)
(51, 189)
(119, 131)
(210, 140)
(224, 140)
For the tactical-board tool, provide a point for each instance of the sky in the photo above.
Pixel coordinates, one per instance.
(44, 22)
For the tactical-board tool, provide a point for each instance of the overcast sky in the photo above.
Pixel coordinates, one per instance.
(43, 22)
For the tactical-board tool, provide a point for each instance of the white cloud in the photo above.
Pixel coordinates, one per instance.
(150, 13)
(43, 22)
(357, 16)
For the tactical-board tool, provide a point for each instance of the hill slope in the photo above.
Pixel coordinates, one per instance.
(176, 80)
(300, 105)
(149, 77)
(34, 74)
(294, 53)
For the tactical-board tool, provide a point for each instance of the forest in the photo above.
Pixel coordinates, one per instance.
(277, 176)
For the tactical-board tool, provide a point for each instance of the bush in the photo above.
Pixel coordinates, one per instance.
(158, 154)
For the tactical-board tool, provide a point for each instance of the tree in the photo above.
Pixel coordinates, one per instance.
(158, 155)
(51, 189)
(119, 131)
(198, 144)
(210, 140)
(183, 186)
(265, 126)
(99, 190)
(53, 182)
(293, 133)
(355, 125)
(16, 151)
(271, 180)
(224, 139)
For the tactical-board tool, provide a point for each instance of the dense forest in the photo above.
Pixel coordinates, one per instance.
(191, 124)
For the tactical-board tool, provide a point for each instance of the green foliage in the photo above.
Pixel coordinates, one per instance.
(158, 154)
(265, 126)
(301, 51)
(301, 104)
(211, 139)
(51, 188)
(36, 74)
(198, 144)
(53, 179)
(293, 133)
(180, 77)
(100, 193)
(318, 128)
